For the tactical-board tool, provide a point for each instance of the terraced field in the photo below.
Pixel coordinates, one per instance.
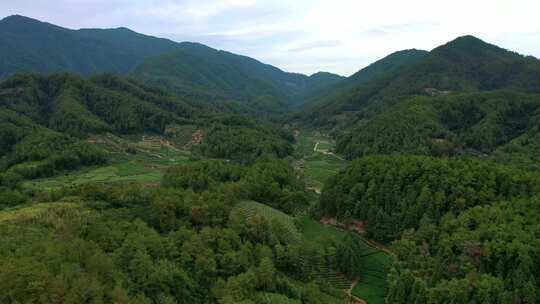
(317, 167)
(374, 263)
(250, 209)
(140, 159)
(330, 276)
(374, 266)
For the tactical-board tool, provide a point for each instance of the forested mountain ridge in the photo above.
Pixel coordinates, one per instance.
(463, 65)
(28, 45)
(320, 99)
(197, 70)
(500, 124)
(46, 120)
(337, 99)
(445, 169)
(190, 69)
(465, 97)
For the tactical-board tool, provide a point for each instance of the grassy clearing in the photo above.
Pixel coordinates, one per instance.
(148, 158)
(305, 143)
(317, 167)
(120, 172)
(374, 263)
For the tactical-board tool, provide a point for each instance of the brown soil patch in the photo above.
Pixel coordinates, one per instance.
(196, 139)
(355, 225)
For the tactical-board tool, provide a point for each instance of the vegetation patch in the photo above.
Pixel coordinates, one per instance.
(374, 264)
(317, 167)
(249, 209)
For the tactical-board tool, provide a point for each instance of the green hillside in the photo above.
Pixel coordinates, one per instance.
(28, 45)
(466, 64)
(487, 124)
(192, 70)
(205, 73)
(466, 97)
(325, 105)
(47, 120)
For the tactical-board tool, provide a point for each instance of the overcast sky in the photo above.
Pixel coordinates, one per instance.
(305, 36)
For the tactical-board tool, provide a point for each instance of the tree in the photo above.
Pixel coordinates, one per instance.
(267, 274)
(349, 255)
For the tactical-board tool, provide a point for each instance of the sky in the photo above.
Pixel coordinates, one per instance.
(304, 36)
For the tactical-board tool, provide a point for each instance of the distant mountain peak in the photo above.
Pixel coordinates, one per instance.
(468, 43)
(467, 38)
(18, 22)
(390, 62)
(18, 18)
(325, 74)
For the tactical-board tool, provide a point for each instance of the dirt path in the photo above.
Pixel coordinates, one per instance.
(315, 189)
(352, 298)
(325, 152)
(355, 229)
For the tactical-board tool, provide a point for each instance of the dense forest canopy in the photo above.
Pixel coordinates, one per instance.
(181, 242)
(479, 123)
(465, 229)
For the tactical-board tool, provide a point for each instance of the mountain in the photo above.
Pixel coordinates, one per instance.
(338, 95)
(190, 69)
(44, 119)
(198, 70)
(105, 103)
(466, 64)
(446, 154)
(30, 45)
(388, 64)
(500, 124)
(467, 97)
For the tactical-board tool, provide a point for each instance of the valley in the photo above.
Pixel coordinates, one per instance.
(136, 169)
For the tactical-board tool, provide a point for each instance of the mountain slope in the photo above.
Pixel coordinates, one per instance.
(338, 95)
(198, 70)
(30, 45)
(388, 64)
(79, 106)
(44, 119)
(501, 124)
(191, 69)
(464, 65)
